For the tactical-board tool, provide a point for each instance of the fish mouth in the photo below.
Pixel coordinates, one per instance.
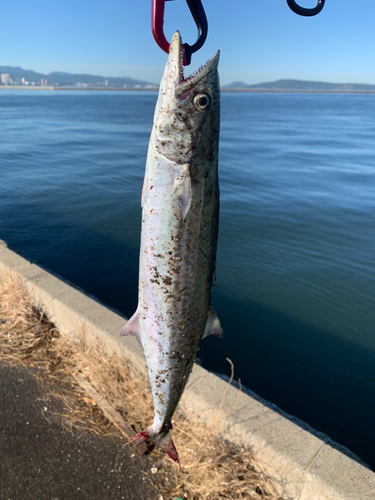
(176, 55)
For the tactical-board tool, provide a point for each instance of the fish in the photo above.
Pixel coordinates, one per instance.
(180, 217)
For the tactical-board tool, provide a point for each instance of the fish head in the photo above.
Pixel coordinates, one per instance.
(187, 115)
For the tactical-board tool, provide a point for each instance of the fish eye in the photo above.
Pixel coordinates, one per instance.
(202, 102)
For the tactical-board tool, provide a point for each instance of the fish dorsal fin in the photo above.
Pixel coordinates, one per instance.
(132, 327)
(143, 192)
(213, 326)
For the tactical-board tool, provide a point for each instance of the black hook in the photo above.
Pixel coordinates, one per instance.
(302, 11)
(199, 15)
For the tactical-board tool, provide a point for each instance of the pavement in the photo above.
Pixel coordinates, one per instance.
(305, 464)
(39, 460)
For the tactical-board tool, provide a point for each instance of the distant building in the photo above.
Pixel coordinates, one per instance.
(6, 79)
(106, 83)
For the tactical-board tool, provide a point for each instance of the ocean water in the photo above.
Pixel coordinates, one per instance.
(295, 282)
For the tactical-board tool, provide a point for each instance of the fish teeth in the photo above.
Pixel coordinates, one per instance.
(193, 75)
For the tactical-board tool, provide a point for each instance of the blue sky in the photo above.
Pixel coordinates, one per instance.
(260, 40)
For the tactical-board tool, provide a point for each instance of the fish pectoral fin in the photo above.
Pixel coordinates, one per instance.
(186, 198)
(182, 189)
(132, 327)
(213, 326)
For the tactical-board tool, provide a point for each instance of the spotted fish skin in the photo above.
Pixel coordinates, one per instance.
(180, 201)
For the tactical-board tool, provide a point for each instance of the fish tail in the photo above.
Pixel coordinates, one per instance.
(162, 439)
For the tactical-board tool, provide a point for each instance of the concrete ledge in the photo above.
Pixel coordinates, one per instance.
(306, 465)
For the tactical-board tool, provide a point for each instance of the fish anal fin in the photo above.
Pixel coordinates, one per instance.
(132, 327)
(213, 326)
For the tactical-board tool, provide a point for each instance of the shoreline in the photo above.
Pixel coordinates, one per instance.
(106, 89)
(120, 89)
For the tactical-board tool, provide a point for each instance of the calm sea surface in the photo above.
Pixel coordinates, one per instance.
(295, 283)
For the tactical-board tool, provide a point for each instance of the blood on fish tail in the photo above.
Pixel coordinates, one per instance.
(162, 439)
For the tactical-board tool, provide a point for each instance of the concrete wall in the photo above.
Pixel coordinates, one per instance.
(306, 465)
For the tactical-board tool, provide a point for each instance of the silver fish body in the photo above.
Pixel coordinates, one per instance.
(180, 215)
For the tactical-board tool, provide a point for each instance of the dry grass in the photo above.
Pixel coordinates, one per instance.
(212, 469)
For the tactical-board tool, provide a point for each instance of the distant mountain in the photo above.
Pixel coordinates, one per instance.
(237, 85)
(59, 78)
(63, 79)
(300, 85)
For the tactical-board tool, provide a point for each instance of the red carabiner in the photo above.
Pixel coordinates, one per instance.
(157, 22)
